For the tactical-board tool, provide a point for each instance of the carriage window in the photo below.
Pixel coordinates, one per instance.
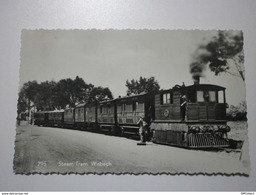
(166, 98)
(119, 108)
(123, 107)
(101, 109)
(108, 109)
(212, 96)
(191, 97)
(141, 107)
(200, 96)
(135, 105)
(221, 96)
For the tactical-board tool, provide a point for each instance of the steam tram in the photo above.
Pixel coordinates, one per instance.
(200, 124)
(187, 116)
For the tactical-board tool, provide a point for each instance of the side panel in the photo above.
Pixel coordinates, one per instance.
(69, 116)
(105, 113)
(192, 111)
(168, 111)
(90, 116)
(220, 111)
(39, 118)
(176, 105)
(56, 118)
(129, 110)
(204, 112)
(79, 115)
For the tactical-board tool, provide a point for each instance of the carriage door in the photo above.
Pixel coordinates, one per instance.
(206, 105)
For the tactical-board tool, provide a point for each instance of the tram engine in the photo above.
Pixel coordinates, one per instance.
(191, 116)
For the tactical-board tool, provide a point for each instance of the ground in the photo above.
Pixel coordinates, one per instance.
(48, 150)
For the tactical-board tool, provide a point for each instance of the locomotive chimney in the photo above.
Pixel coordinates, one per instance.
(196, 80)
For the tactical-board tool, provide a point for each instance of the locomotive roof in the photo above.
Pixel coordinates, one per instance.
(205, 87)
(195, 87)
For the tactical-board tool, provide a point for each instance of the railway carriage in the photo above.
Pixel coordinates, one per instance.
(56, 118)
(86, 116)
(41, 118)
(200, 124)
(131, 108)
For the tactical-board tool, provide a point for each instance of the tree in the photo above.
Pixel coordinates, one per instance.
(237, 112)
(22, 102)
(142, 85)
(71, 92)
(27, 96)
(99, 94)
(45, 98)
(224, 54)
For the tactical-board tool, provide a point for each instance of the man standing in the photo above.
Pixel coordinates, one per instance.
(142, 130)
(183, 107)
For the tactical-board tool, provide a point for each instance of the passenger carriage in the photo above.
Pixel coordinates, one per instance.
(41, 118)
(86, 116)
(131, 108)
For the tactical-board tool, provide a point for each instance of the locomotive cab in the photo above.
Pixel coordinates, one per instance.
(205, 103)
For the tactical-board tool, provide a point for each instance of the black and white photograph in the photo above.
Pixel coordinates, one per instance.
(132, 102)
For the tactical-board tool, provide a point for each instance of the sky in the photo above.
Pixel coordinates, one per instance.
(108, 58)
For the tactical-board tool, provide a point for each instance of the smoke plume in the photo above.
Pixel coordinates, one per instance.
(198, 65)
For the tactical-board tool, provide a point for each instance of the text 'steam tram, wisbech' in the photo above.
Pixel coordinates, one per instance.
(187, 116)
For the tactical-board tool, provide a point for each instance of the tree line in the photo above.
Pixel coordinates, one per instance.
(237, 113)
(51, 95)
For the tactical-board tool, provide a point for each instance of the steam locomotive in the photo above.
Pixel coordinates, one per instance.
(186, 116)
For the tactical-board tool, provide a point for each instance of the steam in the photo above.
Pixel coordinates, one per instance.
(199, 62)
(197, 71)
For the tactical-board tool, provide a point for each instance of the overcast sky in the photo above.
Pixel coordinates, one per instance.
(108, 58)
